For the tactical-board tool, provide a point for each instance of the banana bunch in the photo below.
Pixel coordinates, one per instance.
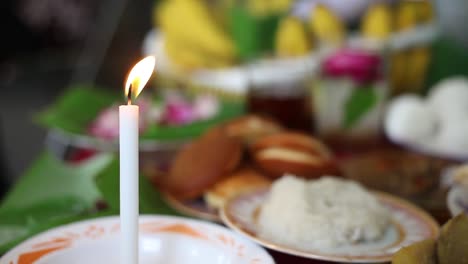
(326, 26)
(411, 13)
(377, 22)
(408, 68)
(193, 37)
(292, 39)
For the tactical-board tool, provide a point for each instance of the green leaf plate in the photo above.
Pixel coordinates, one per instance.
(73, 112)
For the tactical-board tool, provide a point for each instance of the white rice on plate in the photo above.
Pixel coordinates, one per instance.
(321, 214)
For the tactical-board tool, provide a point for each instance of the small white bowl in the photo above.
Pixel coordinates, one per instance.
(163, 239)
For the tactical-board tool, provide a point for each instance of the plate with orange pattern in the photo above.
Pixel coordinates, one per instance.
(409, 224)
(162, 239)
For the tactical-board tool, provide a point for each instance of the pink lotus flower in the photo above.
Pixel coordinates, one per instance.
(106, 124)
(178, 112)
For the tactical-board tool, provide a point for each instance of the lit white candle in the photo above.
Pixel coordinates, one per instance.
(128, 149)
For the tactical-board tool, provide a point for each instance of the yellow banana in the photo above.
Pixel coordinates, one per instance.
(419, 60)
(406, 16)
(281, 6)
(409, 67)
(268, 7)
(397, 73)
(190, 22)
(411, 13)
(420, 57)
(291, 38)
(181, 56)
(326, 25)
(377, 23)
(426, 11)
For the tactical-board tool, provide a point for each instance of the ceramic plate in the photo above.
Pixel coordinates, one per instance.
(163, 239)
(409, 224)
(195, 208)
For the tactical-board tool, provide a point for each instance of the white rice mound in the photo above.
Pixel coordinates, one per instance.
(321, 214)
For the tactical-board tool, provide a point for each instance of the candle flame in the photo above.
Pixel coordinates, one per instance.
(139, 76)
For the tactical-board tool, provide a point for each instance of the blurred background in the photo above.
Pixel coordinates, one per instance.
(50, 45)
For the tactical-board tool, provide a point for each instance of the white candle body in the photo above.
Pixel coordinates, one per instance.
(128, 144)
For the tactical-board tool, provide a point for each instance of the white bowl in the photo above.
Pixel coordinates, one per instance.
(163, 239)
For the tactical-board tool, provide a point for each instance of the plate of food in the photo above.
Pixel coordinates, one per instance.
(237, 156)
(169, 119)
(330, 218)
(163, 239)
(167, 115)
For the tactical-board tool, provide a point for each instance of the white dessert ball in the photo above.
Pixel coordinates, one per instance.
(449, 99)
(452, 138)
(409, 120)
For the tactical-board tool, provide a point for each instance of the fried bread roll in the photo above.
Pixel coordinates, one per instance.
(295, 153)
(202, 163)
(240, 181)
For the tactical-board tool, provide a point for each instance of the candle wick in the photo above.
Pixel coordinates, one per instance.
(129, 95)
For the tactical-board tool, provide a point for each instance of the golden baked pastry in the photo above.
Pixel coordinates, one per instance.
(240, 181)
(202, 163)
(250, 127)
(295, 153)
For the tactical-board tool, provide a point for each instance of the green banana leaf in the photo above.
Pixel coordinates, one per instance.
(52, 193)
(150, 200)
(361, 101)
(49, 192)
(229, 110)
(253, 35)
(76, 108)
(49, 178)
